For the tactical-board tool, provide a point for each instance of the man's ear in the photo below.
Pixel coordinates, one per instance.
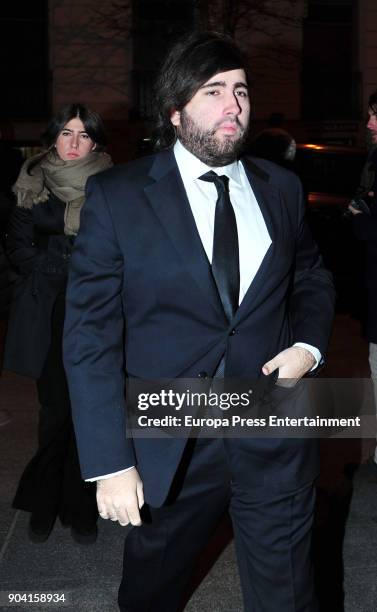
(175, 118)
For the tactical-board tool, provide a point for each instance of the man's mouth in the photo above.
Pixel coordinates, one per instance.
(228, 127)
(73, 154)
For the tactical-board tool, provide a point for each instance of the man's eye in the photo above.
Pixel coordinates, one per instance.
(213, 92)
(66, 133)
(241, 93)
(85, 136)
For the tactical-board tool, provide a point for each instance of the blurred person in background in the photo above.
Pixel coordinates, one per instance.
(276, 145)
(364, 210)
(40, 236)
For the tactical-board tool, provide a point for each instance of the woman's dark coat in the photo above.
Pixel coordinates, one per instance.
(40, 252)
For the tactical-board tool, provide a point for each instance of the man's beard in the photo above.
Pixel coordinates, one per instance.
(206, 146)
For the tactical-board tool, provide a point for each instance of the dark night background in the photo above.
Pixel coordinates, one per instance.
(314, 65)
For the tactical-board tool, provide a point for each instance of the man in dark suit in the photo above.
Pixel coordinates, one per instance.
(197, 263)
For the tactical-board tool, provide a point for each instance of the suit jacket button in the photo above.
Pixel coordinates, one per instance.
(202, 375)
(233, 332)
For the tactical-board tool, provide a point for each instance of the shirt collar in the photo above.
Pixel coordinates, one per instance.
(194, 168)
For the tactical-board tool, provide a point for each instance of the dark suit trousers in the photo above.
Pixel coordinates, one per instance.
(272, 533)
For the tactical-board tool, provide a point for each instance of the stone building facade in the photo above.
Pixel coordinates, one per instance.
(96, 56)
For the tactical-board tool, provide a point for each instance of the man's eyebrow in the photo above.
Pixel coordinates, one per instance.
(223, 84)
(69, 130)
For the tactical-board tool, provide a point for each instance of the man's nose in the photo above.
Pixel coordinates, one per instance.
(232, 106)
(75, 141)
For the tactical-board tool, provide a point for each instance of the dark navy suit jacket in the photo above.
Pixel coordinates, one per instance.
(141, 299)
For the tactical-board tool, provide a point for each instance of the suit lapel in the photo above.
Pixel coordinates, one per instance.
(169, 201)
(268, 200)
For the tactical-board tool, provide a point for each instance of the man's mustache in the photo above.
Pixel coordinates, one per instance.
(234, 120)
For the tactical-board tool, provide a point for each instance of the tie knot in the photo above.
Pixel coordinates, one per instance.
(221, 182)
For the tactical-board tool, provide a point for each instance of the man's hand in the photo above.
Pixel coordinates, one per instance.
(293, 363)
(120, 497)
(356, 211)
(353, 210)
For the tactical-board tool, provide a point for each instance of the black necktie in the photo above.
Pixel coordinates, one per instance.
(225, 259)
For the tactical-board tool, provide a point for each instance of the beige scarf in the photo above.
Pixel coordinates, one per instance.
(65, 179)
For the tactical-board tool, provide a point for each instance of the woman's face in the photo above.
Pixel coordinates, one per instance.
(73, 141)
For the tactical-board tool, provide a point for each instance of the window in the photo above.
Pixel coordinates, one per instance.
(330, 81)
(156, 24)
(24, 60)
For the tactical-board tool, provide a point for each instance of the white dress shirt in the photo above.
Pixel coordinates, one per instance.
(253, 236)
